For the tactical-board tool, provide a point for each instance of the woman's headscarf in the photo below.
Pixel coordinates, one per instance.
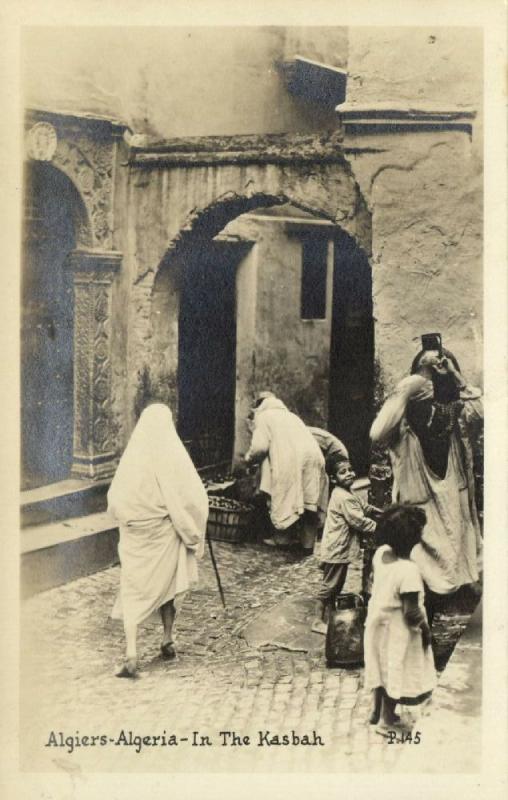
(156, 449)
(270, 403)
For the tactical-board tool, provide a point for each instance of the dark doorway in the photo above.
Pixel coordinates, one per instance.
(207, 353)
(352, 351)
(47, 327)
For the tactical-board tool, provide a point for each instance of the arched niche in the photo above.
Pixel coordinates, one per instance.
(55, 223)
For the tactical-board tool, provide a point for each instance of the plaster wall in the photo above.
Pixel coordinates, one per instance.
(277, 350)
(424, 190)
(436, 65)
(180, 81)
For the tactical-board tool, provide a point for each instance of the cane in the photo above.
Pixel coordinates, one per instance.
(214, 563)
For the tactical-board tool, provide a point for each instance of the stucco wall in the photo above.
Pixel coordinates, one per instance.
(424, 190)
(427, 64)
(277, 350)
(178, 81)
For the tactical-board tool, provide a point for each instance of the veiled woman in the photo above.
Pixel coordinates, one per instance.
(293, 472)
(427, 424)
(162, 508)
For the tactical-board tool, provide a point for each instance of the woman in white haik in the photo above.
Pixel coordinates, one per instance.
(162, 509)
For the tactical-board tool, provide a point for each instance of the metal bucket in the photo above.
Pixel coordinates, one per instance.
(344, 634)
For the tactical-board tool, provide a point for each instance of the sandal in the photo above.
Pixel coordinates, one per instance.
(128, 670)
(168, 652)
(383, 729)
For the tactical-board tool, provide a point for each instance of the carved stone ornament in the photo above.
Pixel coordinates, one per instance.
(89, 164)
(41, 141)
(94, 448)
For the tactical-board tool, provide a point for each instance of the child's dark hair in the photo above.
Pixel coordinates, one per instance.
(400, 527)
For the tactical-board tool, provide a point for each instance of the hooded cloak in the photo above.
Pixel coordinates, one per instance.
(162, 509)
(292, 465)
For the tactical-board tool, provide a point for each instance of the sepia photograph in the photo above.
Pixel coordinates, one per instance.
(251, 384)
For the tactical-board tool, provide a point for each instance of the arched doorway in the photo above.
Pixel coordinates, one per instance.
(279, 299)
(53, 216)
(194, 191)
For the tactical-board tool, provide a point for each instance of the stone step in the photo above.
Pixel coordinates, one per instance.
(62, 540)
(62, 549)
(58, 552)
(78, 498)
(63, 500)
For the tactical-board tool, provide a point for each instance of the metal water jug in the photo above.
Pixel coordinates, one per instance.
(344, 634)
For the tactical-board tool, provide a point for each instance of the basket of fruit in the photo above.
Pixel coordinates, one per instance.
(228, 520)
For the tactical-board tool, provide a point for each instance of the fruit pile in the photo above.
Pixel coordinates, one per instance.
(217, 479)
(227, 504)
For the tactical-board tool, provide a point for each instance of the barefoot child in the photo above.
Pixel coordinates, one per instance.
(346, 519)
(399, 665)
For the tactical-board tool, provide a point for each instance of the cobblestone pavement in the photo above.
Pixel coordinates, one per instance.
(70, 648)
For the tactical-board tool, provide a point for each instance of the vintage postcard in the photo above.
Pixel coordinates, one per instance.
(262, 316)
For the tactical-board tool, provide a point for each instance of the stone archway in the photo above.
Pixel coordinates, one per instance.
(185, 192)
(76, 160)
(55, 223)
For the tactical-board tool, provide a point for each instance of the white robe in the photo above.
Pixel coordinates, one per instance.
(162, 509)
(292, 468)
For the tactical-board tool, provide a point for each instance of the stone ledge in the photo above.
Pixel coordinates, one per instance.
(90, 260)
(273, 148)
(61, 552)
(40, 537)
(72, 120)
(315, 82)
(397, 118)
(62, 500)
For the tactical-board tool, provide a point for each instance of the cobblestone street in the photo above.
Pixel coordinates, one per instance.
(219, 683)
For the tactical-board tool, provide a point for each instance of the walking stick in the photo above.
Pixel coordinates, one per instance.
(214, 563)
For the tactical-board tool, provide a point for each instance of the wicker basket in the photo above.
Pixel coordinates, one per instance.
(228, 520)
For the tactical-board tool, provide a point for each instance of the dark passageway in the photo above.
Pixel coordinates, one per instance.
(47, 327)
(207, 353)
(352, 351)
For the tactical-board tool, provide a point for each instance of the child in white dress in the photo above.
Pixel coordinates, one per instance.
(399, 665)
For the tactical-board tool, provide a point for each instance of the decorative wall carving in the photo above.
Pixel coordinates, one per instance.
(94, 448)
(89, 164)
(41, 141)
(85, 149)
